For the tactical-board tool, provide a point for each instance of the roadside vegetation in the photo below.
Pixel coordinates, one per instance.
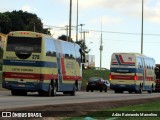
(141, 109)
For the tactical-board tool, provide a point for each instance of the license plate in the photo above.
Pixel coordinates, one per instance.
(21, 85)
(93, 84)
(122, 85)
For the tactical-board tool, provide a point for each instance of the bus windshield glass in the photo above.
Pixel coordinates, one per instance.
(24, 46)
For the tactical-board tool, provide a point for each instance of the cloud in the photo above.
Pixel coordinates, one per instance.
(152, 13)
(131, 8)
(27, 8)
(109, 4)
(107, 20)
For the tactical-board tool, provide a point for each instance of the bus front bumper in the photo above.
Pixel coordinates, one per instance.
(28, 86)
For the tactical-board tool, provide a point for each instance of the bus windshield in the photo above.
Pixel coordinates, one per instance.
(24, 46)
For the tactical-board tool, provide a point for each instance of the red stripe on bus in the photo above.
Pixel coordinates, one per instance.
(29, 76)
(121, 59)
(65, 77)
(38, 76)
(63, 66)
(21, 75)
(123, 77)
(130, 77)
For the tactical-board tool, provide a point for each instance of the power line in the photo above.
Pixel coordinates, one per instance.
(112, 32)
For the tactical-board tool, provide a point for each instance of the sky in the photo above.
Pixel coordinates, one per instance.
(119, 20)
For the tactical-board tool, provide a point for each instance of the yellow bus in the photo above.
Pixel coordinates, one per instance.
(132, 72)
(35, 62)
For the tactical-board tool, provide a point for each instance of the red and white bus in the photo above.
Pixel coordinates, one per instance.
(35, 62)
(132, 72)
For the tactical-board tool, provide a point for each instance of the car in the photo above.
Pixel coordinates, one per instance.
(97, 83)
(107, 83)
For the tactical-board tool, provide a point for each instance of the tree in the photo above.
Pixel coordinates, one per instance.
(21, 21)
(80, 43)
(64, 38)
(5, 23)
(83, 46)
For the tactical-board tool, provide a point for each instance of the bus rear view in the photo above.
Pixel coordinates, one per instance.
(132, 72)
(21, 62)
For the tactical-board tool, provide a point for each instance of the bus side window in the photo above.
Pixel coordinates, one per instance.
(140, 65)
(50, 47)
(72, 51)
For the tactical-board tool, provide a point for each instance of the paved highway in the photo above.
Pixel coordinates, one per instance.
(9, 101)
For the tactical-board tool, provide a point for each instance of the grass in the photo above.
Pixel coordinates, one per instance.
(141, 109)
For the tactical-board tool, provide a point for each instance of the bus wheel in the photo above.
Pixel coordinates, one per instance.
(41, 93)
(100, 90)
(150, 91)
(118, 91)
(140, 90)
(73, 92)
(87, 89)
(16, 92)
(52, 89)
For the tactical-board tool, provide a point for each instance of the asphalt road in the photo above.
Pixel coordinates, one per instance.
(9, 101)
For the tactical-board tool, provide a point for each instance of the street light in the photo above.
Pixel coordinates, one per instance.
(142, 31)
(81, 29)
(70, 20)
(77, 24)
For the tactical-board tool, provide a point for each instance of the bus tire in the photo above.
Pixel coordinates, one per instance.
(150, 91)
(100, 90)
(118, 91)
(73, 92)
(41, 93)
(87, 89)
(19, 93)
(14, 92)
(50, 90)
(139, 90)
(54, 90)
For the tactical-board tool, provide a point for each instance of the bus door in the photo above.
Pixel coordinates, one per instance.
(59, 55)
(144, 73)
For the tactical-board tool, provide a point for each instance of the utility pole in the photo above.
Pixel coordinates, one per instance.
(142, 31)
(101, 49)
(84, 38)
(77, 24)
(70, 20)
(81, 29)
(66, 31)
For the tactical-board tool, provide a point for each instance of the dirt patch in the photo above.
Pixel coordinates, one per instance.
(69, 110)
